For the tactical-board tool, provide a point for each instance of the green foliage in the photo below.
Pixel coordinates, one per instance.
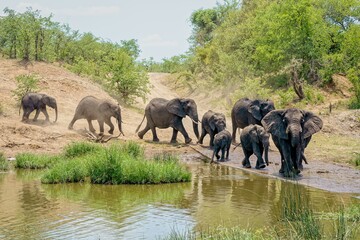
(29, 36)
(66, 171)
(78, 149)
(356, 160)
(354, 76)
(127, 79)
(262, 38)
(35, 161)
(25, 83)
(4, 165)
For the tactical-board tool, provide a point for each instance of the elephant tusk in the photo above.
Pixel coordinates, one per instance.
(194, 121)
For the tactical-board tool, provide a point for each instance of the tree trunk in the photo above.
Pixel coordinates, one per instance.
(296, 82)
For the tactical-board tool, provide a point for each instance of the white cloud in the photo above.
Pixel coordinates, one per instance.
(155, 40)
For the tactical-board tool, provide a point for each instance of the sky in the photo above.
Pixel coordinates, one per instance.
(161, 27)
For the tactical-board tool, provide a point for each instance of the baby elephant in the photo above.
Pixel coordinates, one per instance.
(254, 140)
(222, 141)
(212, 123)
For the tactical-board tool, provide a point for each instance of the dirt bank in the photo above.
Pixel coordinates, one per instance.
(328, 153)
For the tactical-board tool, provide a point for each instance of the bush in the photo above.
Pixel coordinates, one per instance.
(4, 165)
(25, 83)
(33, 161)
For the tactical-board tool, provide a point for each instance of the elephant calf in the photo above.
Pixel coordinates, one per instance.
(254, 140)
(38, 102)
(91, 108)
(222, 141)
(212, 123)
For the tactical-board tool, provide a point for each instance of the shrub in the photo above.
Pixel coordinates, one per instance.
(4, 165)
(25, 83)
(33, 161)
(77, 149)
(74, 170)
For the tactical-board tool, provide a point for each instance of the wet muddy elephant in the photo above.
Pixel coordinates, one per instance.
(162, 113)
(92, 108)
(291, 131)
(222, 141)
(246, 112)
(38, 102)
(255, 140)
(212, 123)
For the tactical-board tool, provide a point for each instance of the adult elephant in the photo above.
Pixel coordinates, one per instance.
(92, 108)
(212, 123)
(246, 112)
(289, 129)
(162, 113)
(38, 102)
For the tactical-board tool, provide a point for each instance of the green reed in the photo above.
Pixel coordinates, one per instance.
(35, 161)
(4, 164)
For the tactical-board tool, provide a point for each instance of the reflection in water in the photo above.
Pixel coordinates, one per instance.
(217, 195)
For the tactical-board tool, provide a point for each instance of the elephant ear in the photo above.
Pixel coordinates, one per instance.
(273, 123)
(212, 122)
(45, 100)
(104, 106)
(174, 106)
(255, 110)
(312, 124)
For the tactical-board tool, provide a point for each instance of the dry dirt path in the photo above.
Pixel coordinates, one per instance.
(69, 89)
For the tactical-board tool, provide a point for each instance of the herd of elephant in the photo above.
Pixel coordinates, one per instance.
(291, 129)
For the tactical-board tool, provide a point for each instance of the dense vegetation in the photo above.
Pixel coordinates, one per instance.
(285, 46)
(31, 37)
(117, 164)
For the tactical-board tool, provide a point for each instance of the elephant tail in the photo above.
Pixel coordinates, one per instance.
(137, 129)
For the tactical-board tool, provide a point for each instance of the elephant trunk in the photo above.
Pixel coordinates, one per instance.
(56, 113)
(119, 125)
(294, 133)
(266, 154)
(196, 130)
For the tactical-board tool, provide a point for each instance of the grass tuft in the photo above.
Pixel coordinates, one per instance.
(74, 170)
(33, 161)
(4, 164)
(77, 149)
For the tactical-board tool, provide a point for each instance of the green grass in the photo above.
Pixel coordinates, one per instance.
(77, 149)
(117, 164)
(356, 160)
(126, 165)
(73, 170)
(35, 161)
(4, 164)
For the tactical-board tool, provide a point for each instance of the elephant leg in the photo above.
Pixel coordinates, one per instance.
(46, 114)
(36, 114)
(246, 160)
(211, 140)
(71, 124)
(233, 136)
(155, 137)
(260, 163)
(26, 114)
(222, 159)
(101, 126)
(109, 123)
(91, 127)
(227, 152)
(144, 131)
(203, 134)
(217, 150)
(174, 136)
(180, 127)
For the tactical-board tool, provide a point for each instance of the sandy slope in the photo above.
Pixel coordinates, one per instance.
(69, 89)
